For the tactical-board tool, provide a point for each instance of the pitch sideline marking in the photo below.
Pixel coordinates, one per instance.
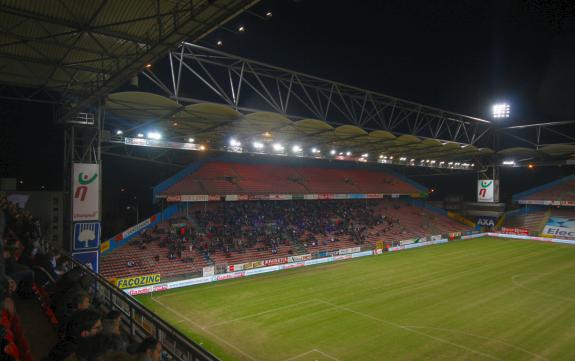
(479, 336)
(206, 330)
(380, 320)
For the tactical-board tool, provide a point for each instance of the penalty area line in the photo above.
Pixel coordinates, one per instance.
(179, 314)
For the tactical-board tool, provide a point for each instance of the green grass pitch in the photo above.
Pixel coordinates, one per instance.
(481, 299)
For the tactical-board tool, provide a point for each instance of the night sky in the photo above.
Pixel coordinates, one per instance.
(457, 55)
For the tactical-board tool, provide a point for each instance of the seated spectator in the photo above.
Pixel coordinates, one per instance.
(112, 323)
(82, 324)
(96, 348)
(149, 350)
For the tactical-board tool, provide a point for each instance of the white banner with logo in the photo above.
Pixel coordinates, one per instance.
(208, 271)
(485, 190)
(85, 192)
(560, 227)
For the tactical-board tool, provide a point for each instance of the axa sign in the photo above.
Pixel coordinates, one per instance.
(486, 222)
(85, 192)
(485, 190)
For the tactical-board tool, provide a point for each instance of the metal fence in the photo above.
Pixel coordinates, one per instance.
(139, 322)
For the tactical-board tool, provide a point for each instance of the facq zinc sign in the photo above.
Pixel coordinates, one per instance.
(138, 281)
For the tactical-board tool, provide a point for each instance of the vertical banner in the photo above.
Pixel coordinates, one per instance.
(85, 192)
(485, 190)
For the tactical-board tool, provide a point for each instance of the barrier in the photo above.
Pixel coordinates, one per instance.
(266, 269)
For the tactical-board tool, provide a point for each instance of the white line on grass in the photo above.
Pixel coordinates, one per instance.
(177, 313)
(261, 313)
(390, 323)
(520, 285)
(478, 336)
(312, 351)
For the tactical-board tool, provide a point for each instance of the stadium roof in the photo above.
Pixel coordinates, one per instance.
(89, 47)
(215, 124)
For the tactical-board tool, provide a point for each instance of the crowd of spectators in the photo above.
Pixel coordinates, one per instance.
(85, 331)
(238, 226)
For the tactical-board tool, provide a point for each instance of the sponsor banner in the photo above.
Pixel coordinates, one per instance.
(138, 227)
(86, 192)
(105, 246)
(280, 197)
(310, 196)
(275, 261)
(318, 261)
(325, 196)
(377, 251)
(560, 227)
(471, 236)
(410, 241)
(515, 230)
(395, 195)
(486, 221)
(173, 198)
(144, 142)
(259, 197)
(231, 197)
(190, 282)
(208, 271)
(194, 198)
(292, 265)
(357, 196)
(361, 254)
(214, 198)
(568, 203)
(374, 195)
(395, 249)
(138, 281)
(261, 270)
(303, 257)
(436, 237)
(342, 257)
(542, 239)
(297, 196)
(340, 196)
(349, 250)
(228, 276)
(485, 190)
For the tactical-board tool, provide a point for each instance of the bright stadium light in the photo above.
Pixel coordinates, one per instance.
(119, 132)
(155, 135)
(258, 145)
(508, 162)
(501, 110)
(191, 140)
(235, 143)
(381, 156)
(315, 150)
(220, 43)
(278, 147)
(348, 153)
(332, 152)
(241, 28)
(296, 149)
(269, 14)
(202, 147)
(365, 155)
(140, 135)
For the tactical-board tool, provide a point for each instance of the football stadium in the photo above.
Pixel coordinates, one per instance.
(190, 202)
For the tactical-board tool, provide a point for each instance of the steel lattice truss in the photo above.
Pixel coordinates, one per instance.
(82, 50)
(198, 74)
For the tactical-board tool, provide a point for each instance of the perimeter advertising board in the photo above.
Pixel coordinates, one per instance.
(86, 192)
(560, 227)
